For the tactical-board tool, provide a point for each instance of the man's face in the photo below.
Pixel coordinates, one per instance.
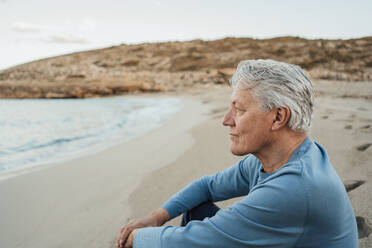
(250, 126)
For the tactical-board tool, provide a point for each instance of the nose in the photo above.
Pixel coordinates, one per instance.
(228, 120)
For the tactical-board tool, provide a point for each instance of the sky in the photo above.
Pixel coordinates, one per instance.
(34, 29)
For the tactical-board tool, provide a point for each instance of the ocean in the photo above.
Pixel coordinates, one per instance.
(42, 131)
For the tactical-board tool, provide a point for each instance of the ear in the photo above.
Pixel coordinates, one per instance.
(281, 117)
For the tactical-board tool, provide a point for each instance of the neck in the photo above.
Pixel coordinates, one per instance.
(274, 155)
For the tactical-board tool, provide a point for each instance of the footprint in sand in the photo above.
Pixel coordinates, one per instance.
(348, 127)
(364, 227)
(365, 127)
(363, 147)
(352, 184)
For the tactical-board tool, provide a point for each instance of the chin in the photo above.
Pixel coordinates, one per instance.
(238, 152)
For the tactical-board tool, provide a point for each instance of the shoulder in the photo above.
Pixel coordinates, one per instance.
(289, 180)
(310, 152)
(284, 193)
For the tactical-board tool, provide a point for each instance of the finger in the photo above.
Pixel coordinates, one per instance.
(124, 236)
(127, 245)
(130, 239)
(127, 242)
(119, 238)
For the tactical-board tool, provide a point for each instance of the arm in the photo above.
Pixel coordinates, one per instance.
(230, 183)
(272, 215)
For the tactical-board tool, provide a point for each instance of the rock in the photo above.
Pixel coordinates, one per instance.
(185, 61)
(53, 95)
(81, 76)
(130, 63)
(226, 73)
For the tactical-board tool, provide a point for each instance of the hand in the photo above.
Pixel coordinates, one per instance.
(155, 218)
(129, 243)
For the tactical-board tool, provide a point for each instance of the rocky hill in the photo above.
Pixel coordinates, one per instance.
(175, 65)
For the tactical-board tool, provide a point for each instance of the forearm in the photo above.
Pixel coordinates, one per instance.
(189, 197)
(232, 182)
(160, 215)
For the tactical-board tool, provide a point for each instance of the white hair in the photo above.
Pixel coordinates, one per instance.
(278, 84)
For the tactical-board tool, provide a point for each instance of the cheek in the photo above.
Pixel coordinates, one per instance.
(245, 125)
(249, 130)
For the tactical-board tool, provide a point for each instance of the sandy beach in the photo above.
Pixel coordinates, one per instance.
(84, 202)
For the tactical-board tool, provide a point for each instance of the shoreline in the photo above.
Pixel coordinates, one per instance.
(84, 202)
(61, 158)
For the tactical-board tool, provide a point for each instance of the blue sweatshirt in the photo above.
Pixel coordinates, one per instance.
(303, 204)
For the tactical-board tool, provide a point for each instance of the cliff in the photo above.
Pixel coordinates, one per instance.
(174, 65)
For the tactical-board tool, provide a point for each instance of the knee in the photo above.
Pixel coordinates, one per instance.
(200, 212)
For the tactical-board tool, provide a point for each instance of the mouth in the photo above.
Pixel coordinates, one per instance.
(232, 134)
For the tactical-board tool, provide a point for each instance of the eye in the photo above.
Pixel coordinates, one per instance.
(239, 111)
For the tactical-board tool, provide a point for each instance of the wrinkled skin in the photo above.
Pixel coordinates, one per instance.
(250, 126)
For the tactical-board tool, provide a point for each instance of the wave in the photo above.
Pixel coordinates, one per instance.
(47, 130)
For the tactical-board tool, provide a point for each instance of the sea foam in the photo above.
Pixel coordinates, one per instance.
(40, 131)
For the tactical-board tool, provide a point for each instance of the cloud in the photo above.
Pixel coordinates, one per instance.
(67, 33)
(64, 39)
(23, 27)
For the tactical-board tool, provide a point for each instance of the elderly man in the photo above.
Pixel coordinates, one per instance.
(293, 196)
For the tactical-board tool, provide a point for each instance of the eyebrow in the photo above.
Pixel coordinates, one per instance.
(237, 104)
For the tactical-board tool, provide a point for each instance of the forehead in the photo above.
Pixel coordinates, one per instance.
(242, 97)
